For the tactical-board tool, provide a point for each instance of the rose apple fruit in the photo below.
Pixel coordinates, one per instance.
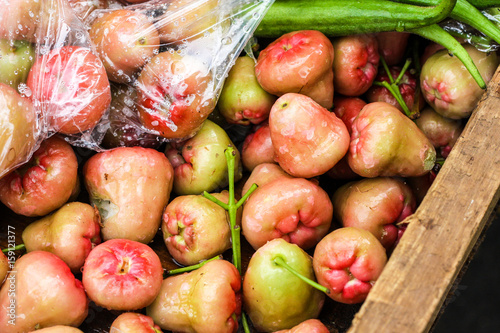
(72, 87)
(242, 100)
(83, 8)
(308, 139)
(347, 109)
(274, 298)
(392, 46)
(348, 261)
(262, 174)
(45, 182)
(16, 58)
(122, 274)
(200, 163)
(58, 329)
(70, 233)
(131, 187)
(441, 131)
(308, 326)
(47, 294)
(378, 205)
(195, 228)
(125, 41)
(295, 209)
(385, 142)
(257, 148)
(19, 129)
(447, 85)
(298, 62)
(130, 322)
(174, 94)
(19, 19)
(205, 300)
(355, 63)
(4, 267)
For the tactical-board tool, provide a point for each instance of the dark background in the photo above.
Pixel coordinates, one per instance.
(474, 305)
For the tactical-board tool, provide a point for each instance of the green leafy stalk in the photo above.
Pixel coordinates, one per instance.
(192, 267)
(17, 247)
(281, 262)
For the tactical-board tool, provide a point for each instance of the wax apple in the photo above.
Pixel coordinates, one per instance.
(274, 298)
(299, 61)
(347, 109)
(45, 182)
(441, 131)
(407, 87)
(19, 130)
(130, 322)
(294, 209)
(264, 173)
(199, 162)
(124, 128)
(46, 294)
(72, 86)
(385, 142)
(70, 233)
(174, 94)
(16, 58)
(348, 261)
(58, 329)
(130, 186)
(375, 204)
(195, 228)
(447, 85)
(121, 274)
(308, 139)
(83, 8)
(125, 41)
(205, 300)
(355, 64)
(308, 326)
(4, 267)
(392, 46)
(257, 148)
(242, 99)
(16, 22)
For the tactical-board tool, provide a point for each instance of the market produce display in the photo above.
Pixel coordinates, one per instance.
(221, 166)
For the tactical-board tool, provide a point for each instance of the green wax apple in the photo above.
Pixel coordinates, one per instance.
(16, 58)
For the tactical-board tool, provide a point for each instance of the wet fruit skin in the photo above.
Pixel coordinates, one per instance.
(348, 261)
(131, 322)
(307, 326)
(257, 148)
(298, 62)
(121, 274)
(45, 182)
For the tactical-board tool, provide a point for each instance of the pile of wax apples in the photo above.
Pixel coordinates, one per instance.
(348, 111)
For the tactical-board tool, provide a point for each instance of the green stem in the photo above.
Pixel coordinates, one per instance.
(192, 267)
(403, 71)
(246, 328)
(15, 248)
(280, 262)
(246, 195)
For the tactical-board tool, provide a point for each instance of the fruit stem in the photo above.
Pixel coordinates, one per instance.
(244, 321)
(15, 248)
(192, 267)
(280, 262)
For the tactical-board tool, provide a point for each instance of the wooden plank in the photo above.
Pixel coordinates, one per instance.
(442, 232)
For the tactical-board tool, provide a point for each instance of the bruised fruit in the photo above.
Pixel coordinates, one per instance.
(70, 233)
(131, 187)
(349, 261)
(257, 148)
(385, 142)
(47, 294)
(308, 139)
(295, 209)
(448, 86)
(130, 322)
(121, 274)
(242, 99)
(355, 64)
(273, 297)
(205, 300)
(375, 204)
(298, 62)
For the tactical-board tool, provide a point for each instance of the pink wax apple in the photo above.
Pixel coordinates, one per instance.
(299, 61)
(355, 64)
(392, 46)
(45, 182)
(174, 94)
(262, 174)
(347, 109)
(375, 204)
(257, 148)
(58, 329)
(121, 274)
(295, 209)
(308, 139)
(131, 322)
(348, 261)
(46, 294)
(307, 326)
